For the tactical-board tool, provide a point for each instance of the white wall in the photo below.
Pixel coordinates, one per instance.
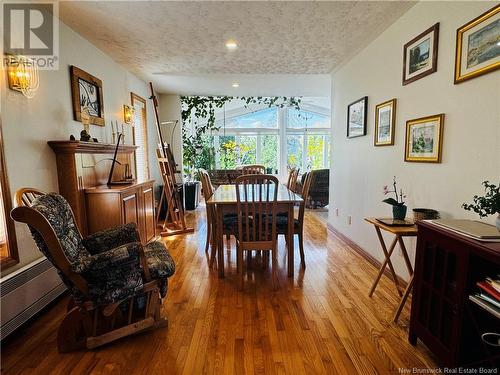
(471, 147)
(29, 123)
(170, 110)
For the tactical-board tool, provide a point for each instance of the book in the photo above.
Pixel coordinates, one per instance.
(489, 289)
(494, 283)
(485, 306)
(489, 299)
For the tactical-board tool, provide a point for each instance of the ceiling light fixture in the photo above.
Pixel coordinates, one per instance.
(231, 45)
(236, 85)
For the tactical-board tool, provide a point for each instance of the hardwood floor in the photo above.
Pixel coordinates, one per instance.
(322, 321)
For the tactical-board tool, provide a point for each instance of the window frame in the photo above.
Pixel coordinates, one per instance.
(10, 230)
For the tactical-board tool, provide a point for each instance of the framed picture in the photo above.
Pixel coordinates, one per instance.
(478, 46)
(385, 121)
(424, 139)
(356, 118)
(420, 55)
(86, 91)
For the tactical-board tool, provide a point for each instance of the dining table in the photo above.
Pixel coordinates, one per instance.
(225, 202)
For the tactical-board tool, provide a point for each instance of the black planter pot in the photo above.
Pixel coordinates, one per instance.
(192, 193)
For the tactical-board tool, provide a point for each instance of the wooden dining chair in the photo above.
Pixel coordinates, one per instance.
(292, 179)
(256, 208)
(298, 224)
(253, 169)
(229, 220)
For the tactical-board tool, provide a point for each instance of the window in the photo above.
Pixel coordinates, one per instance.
(274, 137)
(140, 134)
(308, 140)
(8, 245)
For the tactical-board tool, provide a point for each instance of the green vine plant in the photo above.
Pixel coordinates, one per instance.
(196, 108)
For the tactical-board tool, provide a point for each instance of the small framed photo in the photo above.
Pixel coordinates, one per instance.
(385, 121)
(86, 92)
(424, 139)
(478, 46)
(356, 118)
(420, 55)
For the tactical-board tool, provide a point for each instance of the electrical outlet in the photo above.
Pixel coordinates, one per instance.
(349, 220)
(336, 212)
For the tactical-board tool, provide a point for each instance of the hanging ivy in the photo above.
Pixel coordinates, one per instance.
(196, 108)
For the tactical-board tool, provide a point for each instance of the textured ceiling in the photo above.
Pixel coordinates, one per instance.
(188, 37)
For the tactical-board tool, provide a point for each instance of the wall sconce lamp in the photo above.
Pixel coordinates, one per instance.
(128, 114)
(22, 75)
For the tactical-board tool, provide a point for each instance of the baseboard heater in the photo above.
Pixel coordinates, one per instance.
(26, 292)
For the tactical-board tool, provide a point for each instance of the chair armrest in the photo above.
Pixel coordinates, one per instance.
(111, 238)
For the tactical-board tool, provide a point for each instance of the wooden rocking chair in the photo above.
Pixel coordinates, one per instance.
(116, 284)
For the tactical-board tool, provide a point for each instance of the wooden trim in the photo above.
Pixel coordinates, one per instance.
(10, 230)
(79, 147)
(364, 254)
(433, 29)
(75, 75)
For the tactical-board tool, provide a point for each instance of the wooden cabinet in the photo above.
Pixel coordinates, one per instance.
(82, 165)
(108, 206)
(447, 267)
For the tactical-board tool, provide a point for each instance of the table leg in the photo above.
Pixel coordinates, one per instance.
(405, 255)
(220, 242)
(387, 261)
(403, 300)
(290, 240)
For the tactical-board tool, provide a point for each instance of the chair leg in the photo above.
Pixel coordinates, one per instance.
(301, 247)
(240, 267)
(209, 236)
(73, 331)
(274, 269)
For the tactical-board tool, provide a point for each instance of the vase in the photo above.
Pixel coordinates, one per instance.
(498, 222)
(399, 212)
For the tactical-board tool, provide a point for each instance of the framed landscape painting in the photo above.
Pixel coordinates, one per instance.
(86, 91)
(478, 46)
(385, 120)
(424, 139)
(356, 118)
(420, 55)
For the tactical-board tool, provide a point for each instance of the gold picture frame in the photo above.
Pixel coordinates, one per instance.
(476, 61)
(428, 147)
(385, 123)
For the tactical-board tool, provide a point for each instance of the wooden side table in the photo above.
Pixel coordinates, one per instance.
(399, 232)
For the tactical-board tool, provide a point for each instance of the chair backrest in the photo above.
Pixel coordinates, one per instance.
(256, 197)
(53, 227)
(208, 191)
(308, 180)
(26, 196)
(253, 169)
(292, 179)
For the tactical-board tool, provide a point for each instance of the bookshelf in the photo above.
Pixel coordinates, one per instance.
(448, 267)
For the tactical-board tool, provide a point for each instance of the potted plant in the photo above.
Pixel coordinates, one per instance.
(398, 205)
(489, 204)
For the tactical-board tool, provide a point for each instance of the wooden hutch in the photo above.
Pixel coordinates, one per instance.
(82, 172)
(447, 267)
